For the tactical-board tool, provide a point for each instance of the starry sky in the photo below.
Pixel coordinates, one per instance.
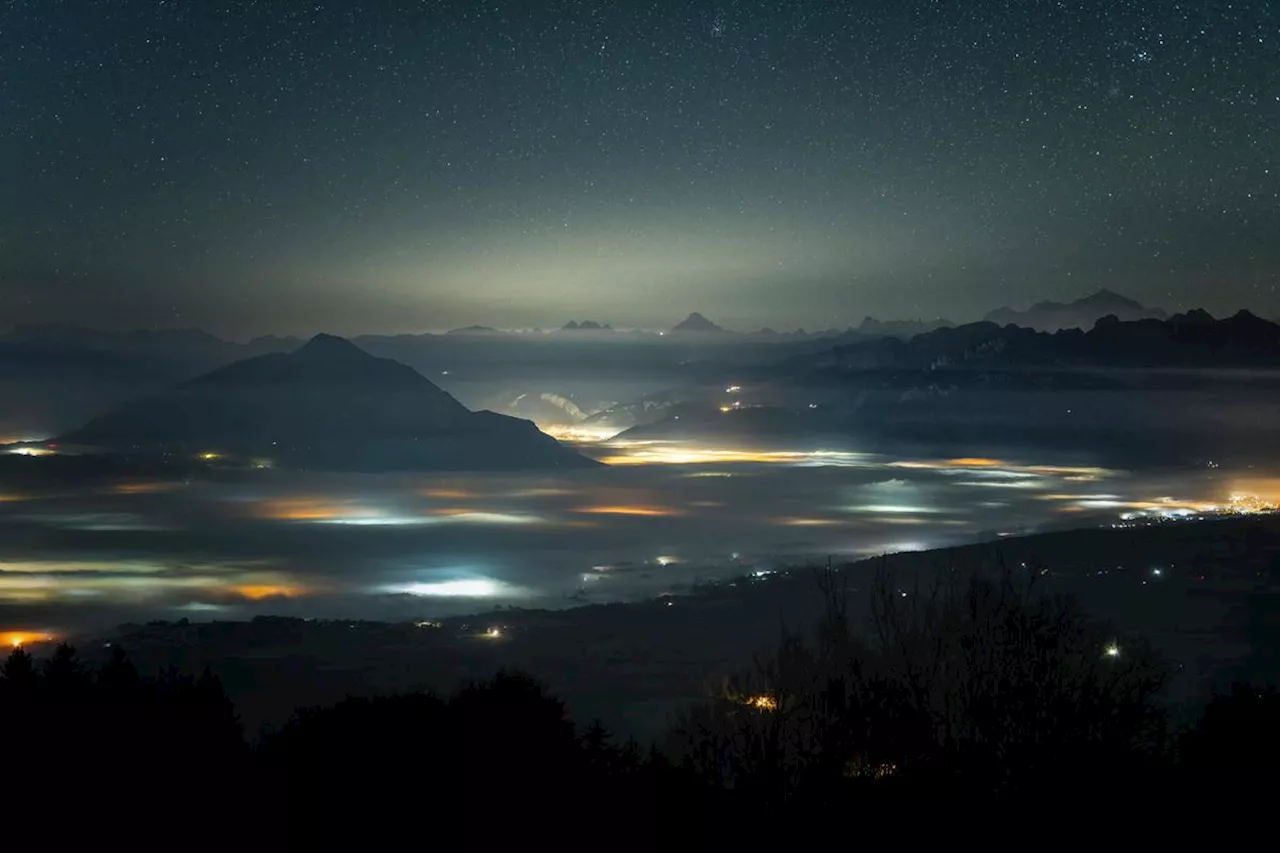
(288, 166)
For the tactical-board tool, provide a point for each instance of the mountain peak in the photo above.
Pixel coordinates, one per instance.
(329, 346)
(695, 322)
(1108, 297)
(328, 405)
(1083, 313)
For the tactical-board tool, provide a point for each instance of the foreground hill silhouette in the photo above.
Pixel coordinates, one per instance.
(327, 405)
(975, 696)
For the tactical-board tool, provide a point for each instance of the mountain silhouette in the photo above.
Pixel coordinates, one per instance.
(585, 326)
(1080, 314)
(695, 322)
(1191, 340)
(326, 405)
(872, 327)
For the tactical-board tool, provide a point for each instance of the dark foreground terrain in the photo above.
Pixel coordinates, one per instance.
(983, 699)
(1205, 594)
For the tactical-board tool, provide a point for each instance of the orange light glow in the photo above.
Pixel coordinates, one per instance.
(627, 510)
(449, 494)
(580, 434)
(807, 522)
(1068, 473)
(669, 453)
(452, 511)
(762, 702)
(143, 488)
(17, 639)
(539, 492)
(258, 592)
(304, 509)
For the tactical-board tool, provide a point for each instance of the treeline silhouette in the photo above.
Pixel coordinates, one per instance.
(977, 698)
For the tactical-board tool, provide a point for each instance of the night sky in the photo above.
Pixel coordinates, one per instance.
(285, 166)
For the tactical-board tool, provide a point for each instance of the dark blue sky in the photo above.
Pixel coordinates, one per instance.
(289, 166)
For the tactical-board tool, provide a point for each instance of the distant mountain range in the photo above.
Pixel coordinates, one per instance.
(1080, 314)
(873, 328)
(1194, 339)
(974, 382)
(56, 376)
(327, 405)
(196, 346)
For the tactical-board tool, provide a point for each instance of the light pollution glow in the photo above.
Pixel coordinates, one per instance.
(33, 581)
(675, 453)
(470, 588)
(326, 511)
(649, 511)
(616, 505)
(18, 639)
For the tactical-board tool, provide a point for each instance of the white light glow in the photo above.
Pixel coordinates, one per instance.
(31, 451)
(473, 588)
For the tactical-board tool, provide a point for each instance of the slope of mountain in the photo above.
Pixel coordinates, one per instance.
(328, 405)
(695, 322)
(1080, 314)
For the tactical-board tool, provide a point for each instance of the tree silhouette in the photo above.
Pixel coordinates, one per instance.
(118, 676)
(19, 673)
(1231, 752)
(983, 688)
(975, 695)
(64, 676)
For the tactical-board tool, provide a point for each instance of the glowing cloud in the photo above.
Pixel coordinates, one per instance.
(471, 588)
(627, 510)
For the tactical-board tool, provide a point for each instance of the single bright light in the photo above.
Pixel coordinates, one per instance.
(493, 633)
(1112, 651)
